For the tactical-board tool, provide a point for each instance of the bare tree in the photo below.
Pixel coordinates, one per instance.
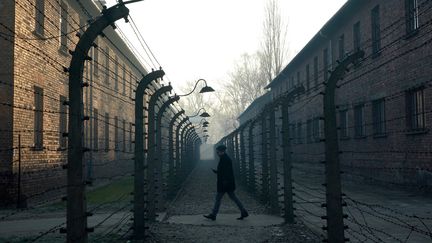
(274, 49)
(247, 82)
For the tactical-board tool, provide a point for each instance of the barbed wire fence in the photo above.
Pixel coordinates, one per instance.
(106, 159)
(285, 163)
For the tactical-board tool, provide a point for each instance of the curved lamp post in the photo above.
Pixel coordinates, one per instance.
(204, 114)
(205, 89)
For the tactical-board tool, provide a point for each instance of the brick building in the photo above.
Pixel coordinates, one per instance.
(35, 36)
(383, 103)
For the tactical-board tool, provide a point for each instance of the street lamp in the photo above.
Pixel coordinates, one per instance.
(205, 89)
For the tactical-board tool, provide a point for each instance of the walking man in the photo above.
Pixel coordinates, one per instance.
(225, 184)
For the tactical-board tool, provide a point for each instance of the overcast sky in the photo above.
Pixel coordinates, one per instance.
(195, 39)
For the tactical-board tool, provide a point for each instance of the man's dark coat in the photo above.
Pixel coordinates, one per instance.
(225, 175)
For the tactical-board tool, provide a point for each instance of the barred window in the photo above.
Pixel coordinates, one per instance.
(38, 117)
(124, 135)
(356, 36)
(116, 133)
(412, 16)
(40, 17)
(63, 27)
(131, 138)
(299, 133)
(341, 47)
(415, 111)
(307, 77)
(131, 84)
(343, 123)
(359, 124)
(298, 79)
(376, 31)
(316, 129)
(309, 135)
(316, 71)
(124, 79)
(325, 63)
(107, 65)
(107, 132)
(116, 73)
(95, 129)
(378, 115)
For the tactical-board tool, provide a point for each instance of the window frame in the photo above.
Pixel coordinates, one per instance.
(412, 110)
(379, 117)
(39, 18)
(357, 115)
(376, 30)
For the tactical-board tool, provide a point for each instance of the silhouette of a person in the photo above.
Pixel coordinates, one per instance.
(225, 184)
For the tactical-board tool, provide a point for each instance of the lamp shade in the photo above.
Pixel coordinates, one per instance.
(205, 114)
(207, 89)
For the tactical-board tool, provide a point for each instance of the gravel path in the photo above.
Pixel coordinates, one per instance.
(197, 198)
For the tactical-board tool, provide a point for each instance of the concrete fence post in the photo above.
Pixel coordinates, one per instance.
(76, 215)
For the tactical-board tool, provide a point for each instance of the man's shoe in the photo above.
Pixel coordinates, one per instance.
(210, 216)
(243, 215)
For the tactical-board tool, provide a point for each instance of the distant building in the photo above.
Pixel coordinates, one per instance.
(35, 36)
(254, 108)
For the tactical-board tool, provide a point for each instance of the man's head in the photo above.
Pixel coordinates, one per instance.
(220, 150)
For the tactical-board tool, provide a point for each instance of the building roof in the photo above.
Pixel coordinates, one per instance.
(256, 104)
(345, 12)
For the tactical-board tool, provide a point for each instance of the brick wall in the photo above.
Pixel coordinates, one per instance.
(402, 63)
(36, 62)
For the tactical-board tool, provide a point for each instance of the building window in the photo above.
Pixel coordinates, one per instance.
(130, 137)
(307, 77)
(299, 133)
(359, 125)
(309, 135)
(316, 71)
(343, 123)
(116, 73)
(415, 109)
(63, 27)
(412, 16)
(95, 129)
(107, 65)
(40, 17)
(298, 79)
(341, 47)
(376, 31)
(116, 134)
(96, 59)
(38, 118)
(63, 122)
(325, 63)
(356, 36)
(292, 134)
(107, 131)
(292, 82)
(378, 116)
(124, 79)
(131, 84)
(316, 129)
(124, 135)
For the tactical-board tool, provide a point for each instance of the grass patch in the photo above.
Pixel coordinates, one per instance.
(111, 192)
